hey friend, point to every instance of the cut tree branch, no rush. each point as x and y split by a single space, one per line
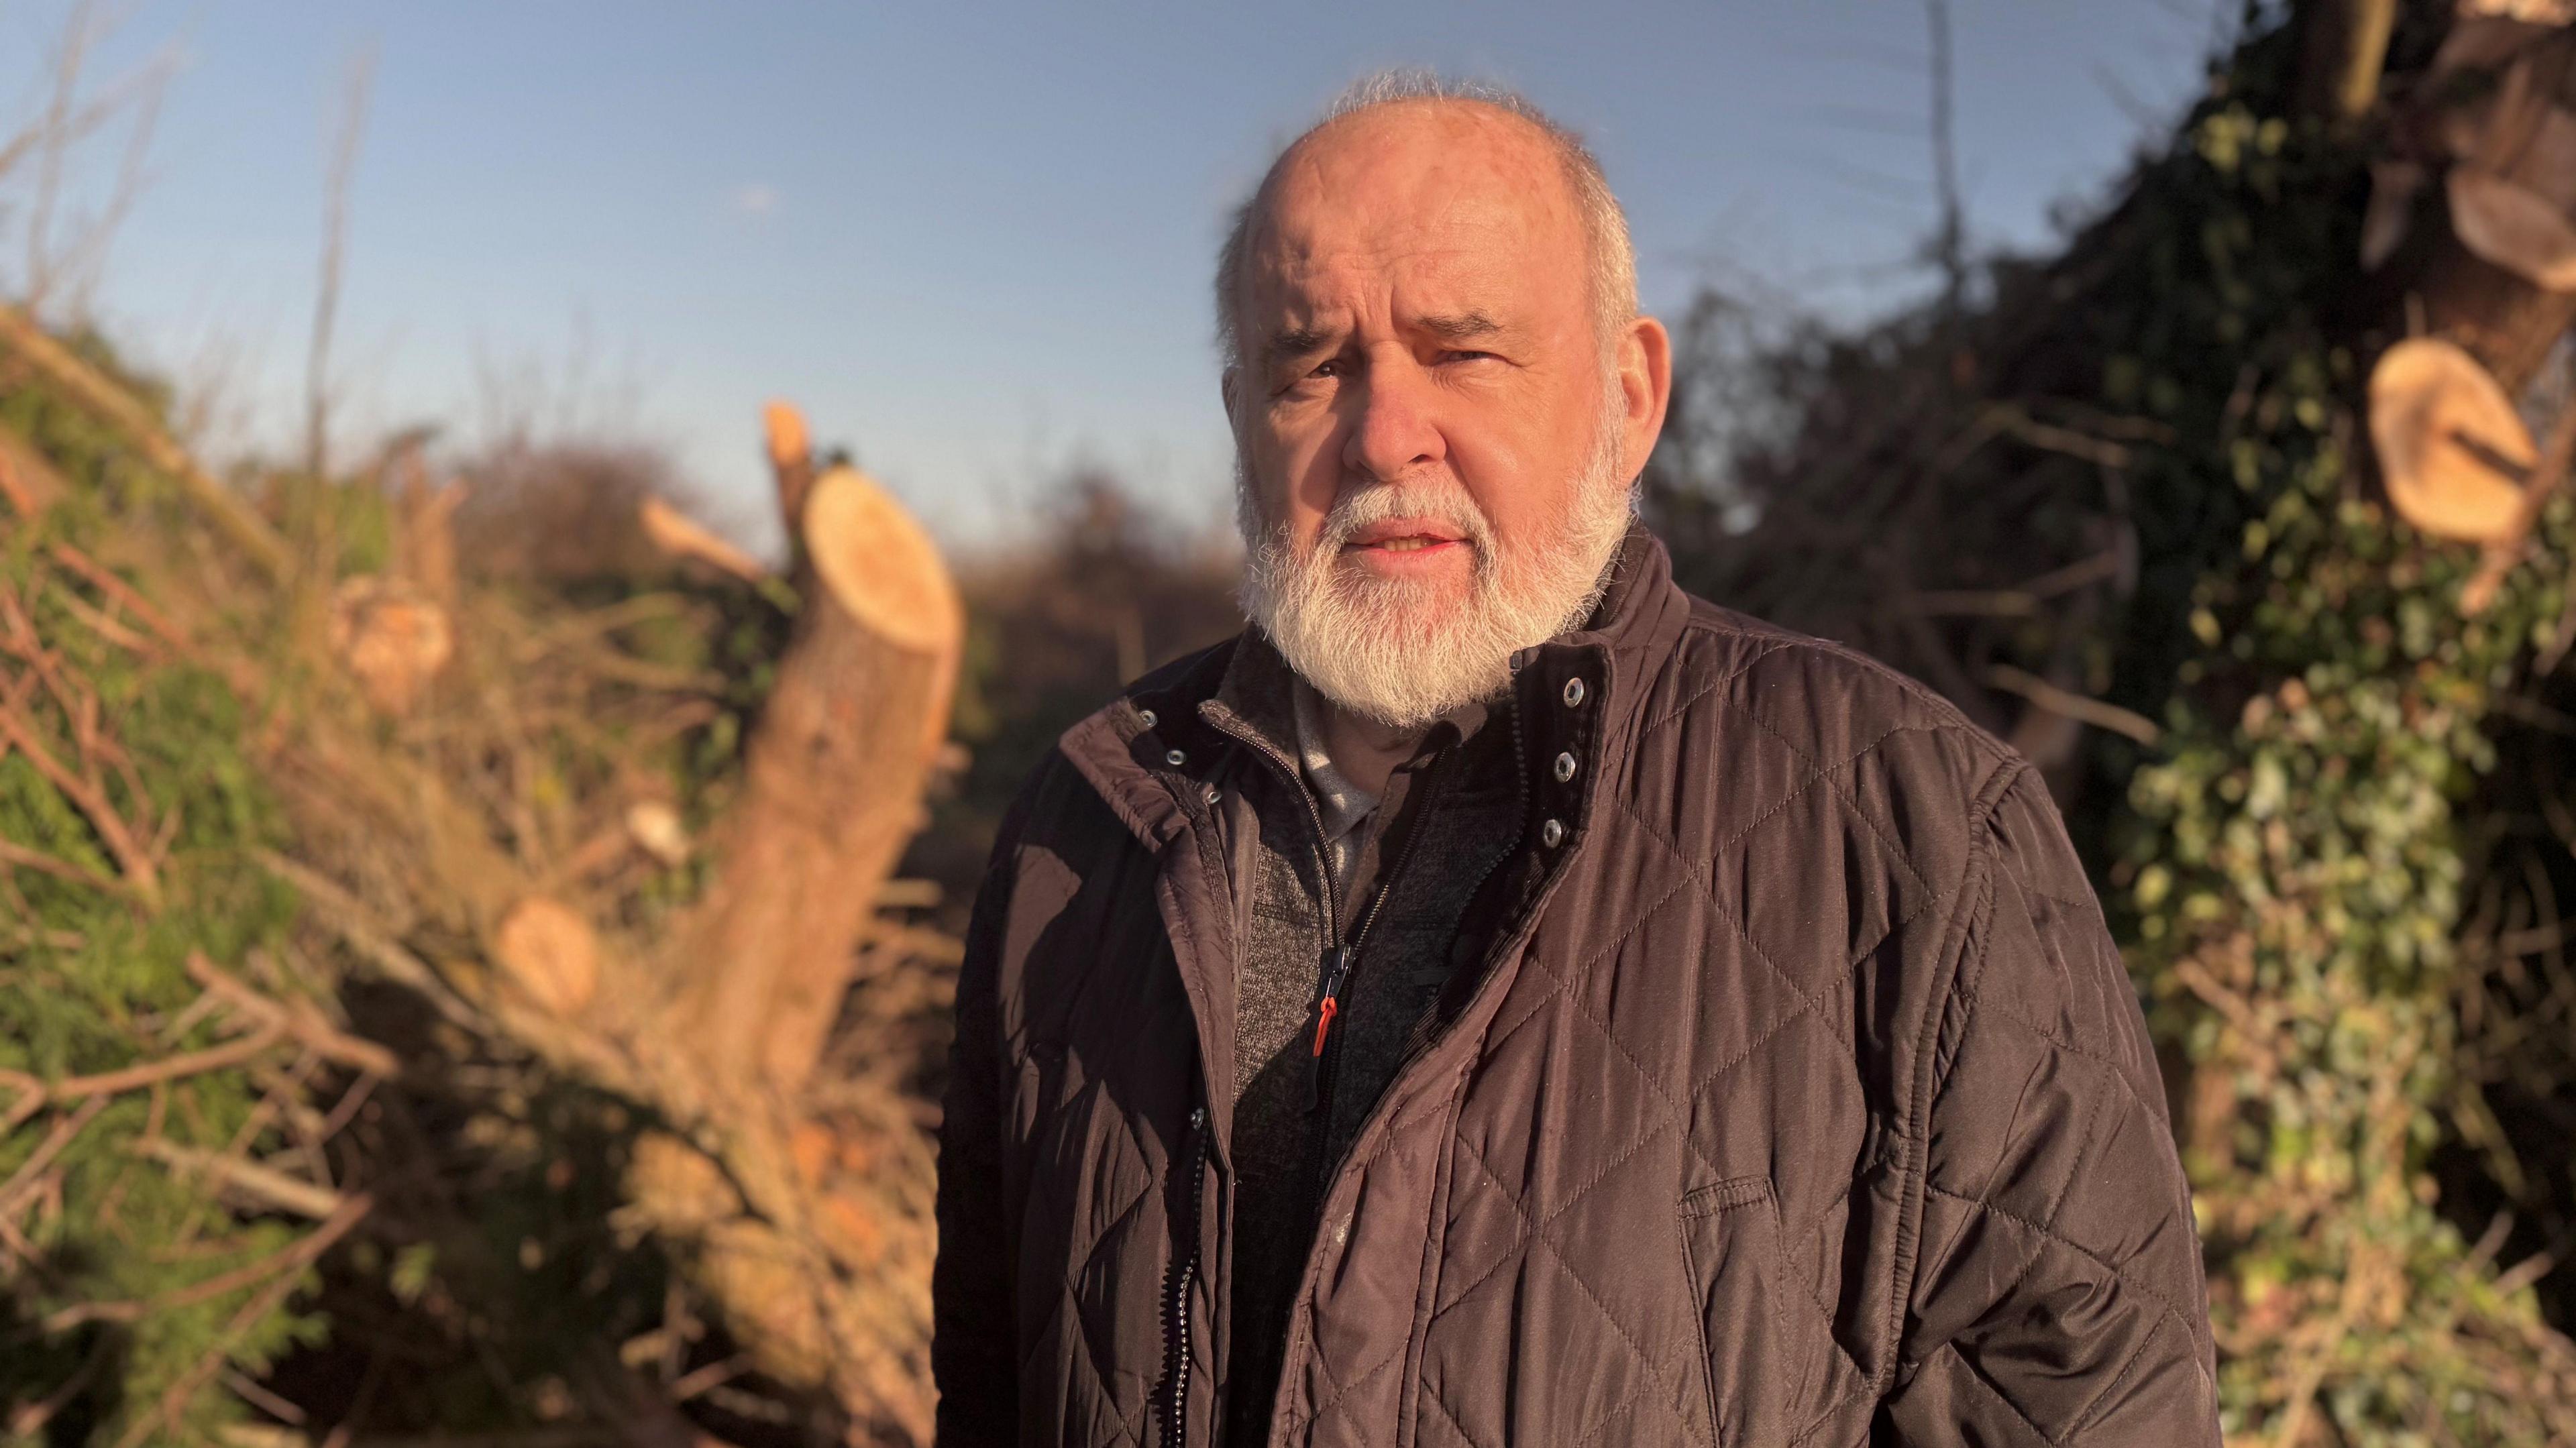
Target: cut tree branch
833 777
2343 45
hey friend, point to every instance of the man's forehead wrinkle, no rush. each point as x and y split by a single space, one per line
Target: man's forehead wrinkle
1444 295
1307 275
1325 240
1415 216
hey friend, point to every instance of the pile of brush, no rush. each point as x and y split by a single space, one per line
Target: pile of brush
507 968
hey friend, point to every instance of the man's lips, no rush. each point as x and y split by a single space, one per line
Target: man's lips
1406 535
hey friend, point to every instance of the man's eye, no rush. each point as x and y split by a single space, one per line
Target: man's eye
1320 372
1463 356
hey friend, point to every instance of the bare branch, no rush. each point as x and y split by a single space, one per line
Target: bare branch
1949 236
266 1187
89 252
2073 705
53 139
335 231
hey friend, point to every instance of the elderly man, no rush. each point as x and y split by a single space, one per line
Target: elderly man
1500 999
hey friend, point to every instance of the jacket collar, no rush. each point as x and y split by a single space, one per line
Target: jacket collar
1155 759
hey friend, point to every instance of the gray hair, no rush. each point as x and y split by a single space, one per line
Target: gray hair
1605 225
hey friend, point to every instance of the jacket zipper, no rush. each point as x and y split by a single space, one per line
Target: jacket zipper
1338 962
1338 957
1176 1305
1484 968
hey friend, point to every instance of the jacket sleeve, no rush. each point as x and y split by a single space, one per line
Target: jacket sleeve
972 1308
2056 1293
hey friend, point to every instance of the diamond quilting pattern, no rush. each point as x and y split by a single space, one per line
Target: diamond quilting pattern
1106 1211
1608 1054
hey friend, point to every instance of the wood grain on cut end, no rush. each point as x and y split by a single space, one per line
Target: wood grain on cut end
2446 435
549 952
879 564
392 637
2513 227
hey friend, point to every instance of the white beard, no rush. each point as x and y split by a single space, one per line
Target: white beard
1402 651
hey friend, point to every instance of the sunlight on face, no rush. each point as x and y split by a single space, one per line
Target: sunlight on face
1431 433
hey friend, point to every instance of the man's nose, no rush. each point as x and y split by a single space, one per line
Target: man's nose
1397 428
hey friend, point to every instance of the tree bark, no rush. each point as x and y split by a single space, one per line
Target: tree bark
832 791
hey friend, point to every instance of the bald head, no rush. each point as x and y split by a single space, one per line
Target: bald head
1471 134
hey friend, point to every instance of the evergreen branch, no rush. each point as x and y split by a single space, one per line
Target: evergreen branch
141 876
32 1170
37 1093
29 1420
104 626
303 1254
37 860
136 1309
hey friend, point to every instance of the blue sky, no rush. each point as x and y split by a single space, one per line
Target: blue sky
973 240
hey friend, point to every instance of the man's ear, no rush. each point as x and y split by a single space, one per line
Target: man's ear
1229 385
1646 387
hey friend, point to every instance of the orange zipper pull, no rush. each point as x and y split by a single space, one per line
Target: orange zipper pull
1337 968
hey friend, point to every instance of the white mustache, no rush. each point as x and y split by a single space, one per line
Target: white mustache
1443 502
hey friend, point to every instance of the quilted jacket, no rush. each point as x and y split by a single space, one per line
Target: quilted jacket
1797 1097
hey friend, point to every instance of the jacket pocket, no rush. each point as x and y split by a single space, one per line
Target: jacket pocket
1773 1367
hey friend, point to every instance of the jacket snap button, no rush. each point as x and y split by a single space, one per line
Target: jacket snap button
1147 715
1551 834
1175 759
1564 768
1211 794
1574 693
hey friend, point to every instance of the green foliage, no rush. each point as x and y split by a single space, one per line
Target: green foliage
2292 869
2286 864
100 1329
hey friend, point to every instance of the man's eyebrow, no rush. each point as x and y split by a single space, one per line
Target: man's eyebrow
1297 341
1464 327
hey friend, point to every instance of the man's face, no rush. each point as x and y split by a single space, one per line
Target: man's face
1425 394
